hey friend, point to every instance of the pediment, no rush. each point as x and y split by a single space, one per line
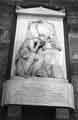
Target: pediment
40 11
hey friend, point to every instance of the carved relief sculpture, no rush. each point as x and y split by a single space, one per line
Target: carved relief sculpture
38 71
39 53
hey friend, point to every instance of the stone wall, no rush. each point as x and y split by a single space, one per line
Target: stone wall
6 24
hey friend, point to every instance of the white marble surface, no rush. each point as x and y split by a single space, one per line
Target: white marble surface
40 10
38 91
57 36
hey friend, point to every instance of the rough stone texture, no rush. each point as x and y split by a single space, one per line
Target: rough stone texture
62 114
75 85
5 38
14 113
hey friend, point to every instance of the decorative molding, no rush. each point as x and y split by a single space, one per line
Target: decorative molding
40 11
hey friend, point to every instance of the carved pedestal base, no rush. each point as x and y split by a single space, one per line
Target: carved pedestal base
38 91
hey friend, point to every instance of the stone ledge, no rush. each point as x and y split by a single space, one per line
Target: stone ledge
38 92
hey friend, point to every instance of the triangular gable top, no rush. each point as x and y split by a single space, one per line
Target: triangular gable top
40 11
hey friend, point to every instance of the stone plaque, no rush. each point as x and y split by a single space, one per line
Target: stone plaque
34 91
38 71
39 48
